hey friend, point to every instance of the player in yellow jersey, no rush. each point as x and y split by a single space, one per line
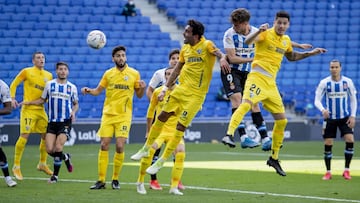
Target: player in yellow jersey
195 67
120 83
156 106
33 118
271 45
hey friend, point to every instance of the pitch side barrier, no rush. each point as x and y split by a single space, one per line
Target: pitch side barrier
212 130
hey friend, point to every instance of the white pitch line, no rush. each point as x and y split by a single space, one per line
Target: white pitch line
219 190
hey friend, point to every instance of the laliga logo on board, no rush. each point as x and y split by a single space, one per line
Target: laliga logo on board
192 135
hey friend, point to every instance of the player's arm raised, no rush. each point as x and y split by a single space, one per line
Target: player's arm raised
94 92
223 59
295 56
172 79
252 38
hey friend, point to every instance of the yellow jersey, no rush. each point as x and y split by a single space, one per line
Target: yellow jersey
120 87
156 106
269 51
197 71
34 80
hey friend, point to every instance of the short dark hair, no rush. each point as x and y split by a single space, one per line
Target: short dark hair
336 60
173 52
282 14
197 27
118 48
239 15
60 63
37 52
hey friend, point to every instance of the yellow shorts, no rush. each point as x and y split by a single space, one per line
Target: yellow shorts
33 121
260 88
184 104
112 125
165 138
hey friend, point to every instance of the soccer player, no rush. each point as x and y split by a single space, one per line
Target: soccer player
339 113
169 127
157 80
240 56
120 83
62 97
270 47
33 118
195 67
6 101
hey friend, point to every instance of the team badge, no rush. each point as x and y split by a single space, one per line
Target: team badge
126 78
199 51
232 86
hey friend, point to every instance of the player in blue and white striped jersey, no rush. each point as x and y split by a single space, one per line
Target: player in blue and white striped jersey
240 56
62 97
339 112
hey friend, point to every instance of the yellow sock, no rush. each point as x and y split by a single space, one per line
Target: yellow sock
43 153
155 131
171 146
103 161
144 164
237 117
178 169
19 149
277 137
118 163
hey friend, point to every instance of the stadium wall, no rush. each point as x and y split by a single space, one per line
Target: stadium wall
209 131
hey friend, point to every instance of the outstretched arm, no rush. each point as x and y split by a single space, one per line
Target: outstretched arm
296 56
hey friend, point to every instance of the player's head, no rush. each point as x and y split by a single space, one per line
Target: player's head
240 18
119 56
194 30
335 68
168 72
38 59
281 22
62 70
174 57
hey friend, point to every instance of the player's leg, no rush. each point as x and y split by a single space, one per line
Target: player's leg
105 133
122 130
177 169
41 123
259 122
329 133
25 129
348 137
154 183
154 132
5 169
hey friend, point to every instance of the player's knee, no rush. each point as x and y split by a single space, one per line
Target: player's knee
281 124
180 127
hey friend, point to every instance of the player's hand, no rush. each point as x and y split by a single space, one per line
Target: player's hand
225 67
14 103
351 122
140 84
326 114
161 95
85 90
264 27
318 51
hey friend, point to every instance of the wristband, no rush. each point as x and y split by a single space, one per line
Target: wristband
164 89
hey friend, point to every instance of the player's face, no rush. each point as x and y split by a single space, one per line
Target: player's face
335 69
173 60
39 60
120 59
242 28
281 25
189 38
168 73
62 72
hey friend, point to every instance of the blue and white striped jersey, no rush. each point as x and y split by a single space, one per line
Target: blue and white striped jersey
340 97
4 92
60 99
236 41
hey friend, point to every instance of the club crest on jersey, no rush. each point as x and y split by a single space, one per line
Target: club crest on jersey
345 85
199 51
68 89
284 42
126 78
